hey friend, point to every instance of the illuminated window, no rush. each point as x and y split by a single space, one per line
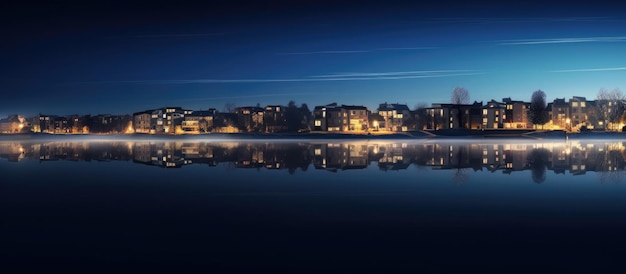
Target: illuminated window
484 111
318 151
318 123
574 104
582 104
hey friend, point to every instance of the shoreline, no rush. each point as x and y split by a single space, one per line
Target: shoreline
408 135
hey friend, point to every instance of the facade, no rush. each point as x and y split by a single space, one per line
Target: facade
453 116
274 118
560 114
198 121
516 114
142 121
340 118
494 114
13 124
167 120
250 119
394 117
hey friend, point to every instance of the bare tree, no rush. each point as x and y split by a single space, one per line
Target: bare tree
460 95
537 111
229 107
610 105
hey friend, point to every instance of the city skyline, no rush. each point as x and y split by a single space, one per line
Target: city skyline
91 58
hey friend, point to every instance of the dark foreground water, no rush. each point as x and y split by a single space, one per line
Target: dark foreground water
323 206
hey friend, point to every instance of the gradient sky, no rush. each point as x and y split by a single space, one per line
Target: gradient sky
95 58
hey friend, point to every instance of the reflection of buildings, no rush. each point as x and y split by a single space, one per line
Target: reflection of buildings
340 156
14 152
574 157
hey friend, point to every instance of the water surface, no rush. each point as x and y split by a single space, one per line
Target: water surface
313 206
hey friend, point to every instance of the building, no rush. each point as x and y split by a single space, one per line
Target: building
167 120
453 116
516 114
340 118
199 121
250 119
142 121
274 118
560 114
394 117
13 124
494 114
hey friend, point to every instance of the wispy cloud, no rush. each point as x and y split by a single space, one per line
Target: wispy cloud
250 96
353 51
563 40
500 20
590 69
367 76
323 52
431 73
182 35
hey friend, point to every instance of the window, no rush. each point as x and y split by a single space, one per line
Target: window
574 104
485 111
318 123
582 104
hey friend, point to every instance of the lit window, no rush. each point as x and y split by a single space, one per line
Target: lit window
484 111
574 104
318 123
318 151
582 104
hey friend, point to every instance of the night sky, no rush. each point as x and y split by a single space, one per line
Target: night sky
92 58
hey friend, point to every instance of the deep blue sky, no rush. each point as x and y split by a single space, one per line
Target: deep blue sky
120 58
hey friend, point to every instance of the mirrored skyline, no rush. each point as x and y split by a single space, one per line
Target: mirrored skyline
542 159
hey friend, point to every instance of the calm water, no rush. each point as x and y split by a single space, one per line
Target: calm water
319 206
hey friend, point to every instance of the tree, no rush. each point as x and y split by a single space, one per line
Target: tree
229 107
460 95
610 106
537 111
420 118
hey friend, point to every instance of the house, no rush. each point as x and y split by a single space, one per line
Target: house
516 114
46 123
453 116
394 116
107 123
274 118
342 118
163 120
142 121
494 114
560 114
198 121
250 119
13 124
